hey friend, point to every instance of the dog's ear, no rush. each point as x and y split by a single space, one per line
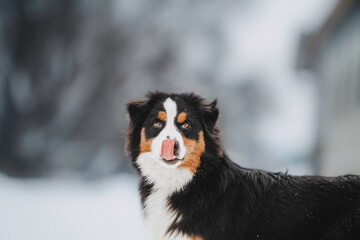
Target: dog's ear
210 115
136 109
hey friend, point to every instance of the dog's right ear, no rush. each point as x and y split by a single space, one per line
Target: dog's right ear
210 114
136 109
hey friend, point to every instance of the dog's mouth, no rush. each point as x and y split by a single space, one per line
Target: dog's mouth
171 161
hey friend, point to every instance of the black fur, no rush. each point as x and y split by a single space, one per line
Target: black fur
226 201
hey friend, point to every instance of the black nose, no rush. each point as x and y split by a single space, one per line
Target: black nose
176 148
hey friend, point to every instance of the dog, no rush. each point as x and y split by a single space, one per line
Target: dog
191 190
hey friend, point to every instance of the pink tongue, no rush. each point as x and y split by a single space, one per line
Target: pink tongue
167 149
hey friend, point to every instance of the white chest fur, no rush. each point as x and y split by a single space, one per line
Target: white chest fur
166 181
159 217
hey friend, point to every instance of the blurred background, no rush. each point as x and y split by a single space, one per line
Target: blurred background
286 75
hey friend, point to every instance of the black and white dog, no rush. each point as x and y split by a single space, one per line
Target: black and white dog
190 189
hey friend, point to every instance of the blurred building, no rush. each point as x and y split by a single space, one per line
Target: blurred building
332 54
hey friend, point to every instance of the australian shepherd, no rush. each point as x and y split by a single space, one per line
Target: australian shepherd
190 189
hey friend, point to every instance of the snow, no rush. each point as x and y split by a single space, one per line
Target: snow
46 209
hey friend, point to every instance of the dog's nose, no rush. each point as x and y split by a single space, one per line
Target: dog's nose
176 148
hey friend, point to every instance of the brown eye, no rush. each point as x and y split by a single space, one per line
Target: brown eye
158 124
185 126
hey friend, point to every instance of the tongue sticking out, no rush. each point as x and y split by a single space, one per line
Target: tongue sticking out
167 149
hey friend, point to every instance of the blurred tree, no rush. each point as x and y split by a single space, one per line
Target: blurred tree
69 67
30 90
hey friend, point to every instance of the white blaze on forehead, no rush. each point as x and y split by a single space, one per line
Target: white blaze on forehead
171 110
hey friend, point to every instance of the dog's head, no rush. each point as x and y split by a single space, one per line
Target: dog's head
171 131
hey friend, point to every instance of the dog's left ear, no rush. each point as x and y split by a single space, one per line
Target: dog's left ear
210 115
136 109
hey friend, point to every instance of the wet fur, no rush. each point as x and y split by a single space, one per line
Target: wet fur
226 201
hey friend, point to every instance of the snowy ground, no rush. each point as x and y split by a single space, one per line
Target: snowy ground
70 210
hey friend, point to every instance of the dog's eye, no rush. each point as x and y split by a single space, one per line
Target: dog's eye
157 124
185 126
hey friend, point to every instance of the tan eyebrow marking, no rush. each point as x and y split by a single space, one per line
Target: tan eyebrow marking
162 116
181 117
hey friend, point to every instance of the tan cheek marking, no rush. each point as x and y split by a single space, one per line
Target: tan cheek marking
194 149
162 116
181 117
145 145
